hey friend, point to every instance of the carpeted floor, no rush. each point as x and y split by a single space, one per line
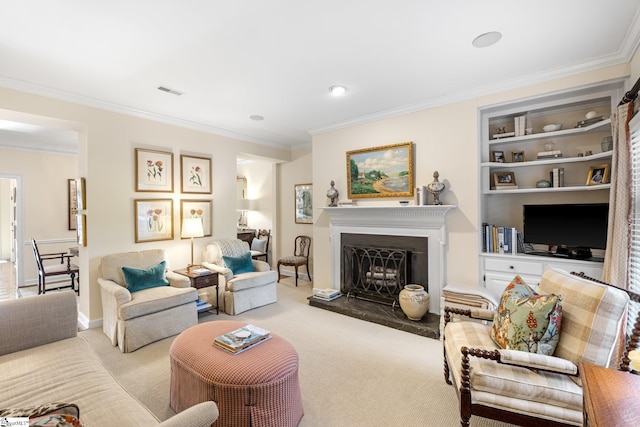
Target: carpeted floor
352 372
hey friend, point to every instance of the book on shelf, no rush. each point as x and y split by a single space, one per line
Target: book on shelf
326 294
501 240
503 135
554 154
556 176
242 339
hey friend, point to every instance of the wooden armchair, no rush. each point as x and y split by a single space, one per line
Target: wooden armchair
260 245
61 267
529 388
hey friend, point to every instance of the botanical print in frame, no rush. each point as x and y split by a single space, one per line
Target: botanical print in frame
197 209
385 171
154 220
196 174
73 203
154 171
304 203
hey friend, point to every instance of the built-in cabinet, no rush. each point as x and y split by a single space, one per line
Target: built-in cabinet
511 140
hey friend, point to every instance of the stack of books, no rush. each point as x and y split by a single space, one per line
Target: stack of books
501 240
589 122
555 154
242 339
326 294
556 177
200 271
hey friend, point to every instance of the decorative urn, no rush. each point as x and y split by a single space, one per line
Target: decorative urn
414 301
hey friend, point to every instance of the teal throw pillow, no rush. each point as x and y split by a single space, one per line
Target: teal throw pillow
138 280
241 264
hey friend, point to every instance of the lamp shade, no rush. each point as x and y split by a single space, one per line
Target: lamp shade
192 227
244 205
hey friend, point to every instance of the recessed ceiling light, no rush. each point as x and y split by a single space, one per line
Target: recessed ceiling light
337 90
256 117
487 39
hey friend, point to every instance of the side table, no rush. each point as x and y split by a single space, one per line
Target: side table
199 281
610 397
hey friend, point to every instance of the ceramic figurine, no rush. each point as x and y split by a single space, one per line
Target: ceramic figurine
332 195
435 188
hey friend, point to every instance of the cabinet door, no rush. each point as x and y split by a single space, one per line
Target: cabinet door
496 282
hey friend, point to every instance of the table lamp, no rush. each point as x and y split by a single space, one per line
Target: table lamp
192 227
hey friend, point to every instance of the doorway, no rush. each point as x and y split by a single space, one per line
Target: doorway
10 234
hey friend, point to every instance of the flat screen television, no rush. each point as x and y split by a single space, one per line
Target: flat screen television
574 229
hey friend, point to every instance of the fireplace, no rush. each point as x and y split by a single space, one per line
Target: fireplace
376 268
385 222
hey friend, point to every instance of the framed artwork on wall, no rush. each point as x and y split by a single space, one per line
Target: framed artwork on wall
196 174
81 229
154 171
153 220
385 171
304 203
197 209
73 203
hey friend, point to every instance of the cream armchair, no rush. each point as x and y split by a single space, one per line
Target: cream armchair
243 291
530 388
134 319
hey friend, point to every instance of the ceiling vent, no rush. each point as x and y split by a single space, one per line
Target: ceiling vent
169 90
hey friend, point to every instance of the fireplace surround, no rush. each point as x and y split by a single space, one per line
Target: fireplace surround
412 221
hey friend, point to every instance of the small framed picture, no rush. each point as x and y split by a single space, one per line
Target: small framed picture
504 179
154 220
73 203
497 156
197 209
154 171
598 175
303 200
517 156
196 174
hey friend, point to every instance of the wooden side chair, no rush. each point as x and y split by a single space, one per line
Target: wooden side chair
300 256
62 267
260 245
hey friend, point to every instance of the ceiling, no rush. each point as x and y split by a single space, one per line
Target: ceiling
277 58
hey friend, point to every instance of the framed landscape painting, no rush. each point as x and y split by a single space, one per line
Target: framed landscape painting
154 171
154 220
196 174
197 209
385 171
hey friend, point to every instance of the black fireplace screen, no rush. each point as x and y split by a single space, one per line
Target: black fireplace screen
374 274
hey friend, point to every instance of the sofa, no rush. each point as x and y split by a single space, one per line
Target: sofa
241 290
134 319
44 360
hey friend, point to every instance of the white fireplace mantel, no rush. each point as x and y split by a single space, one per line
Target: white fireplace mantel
419 221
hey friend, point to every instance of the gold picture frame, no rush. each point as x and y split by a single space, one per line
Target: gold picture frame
153 220
198 209
73 204
504 179
598 175
385 171
497 156
154 171
517 156
196 174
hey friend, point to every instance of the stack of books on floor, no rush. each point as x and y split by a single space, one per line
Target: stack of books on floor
326 294
202 305
242 339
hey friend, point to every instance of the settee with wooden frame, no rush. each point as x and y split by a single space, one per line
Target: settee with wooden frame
531 389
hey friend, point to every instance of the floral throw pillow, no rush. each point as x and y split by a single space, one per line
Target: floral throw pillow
527 321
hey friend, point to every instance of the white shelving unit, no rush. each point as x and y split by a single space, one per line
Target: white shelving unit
581 150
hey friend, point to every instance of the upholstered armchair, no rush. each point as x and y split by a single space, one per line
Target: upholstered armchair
243 283
142 300
534 388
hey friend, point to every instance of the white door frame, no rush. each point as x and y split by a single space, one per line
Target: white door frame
19 243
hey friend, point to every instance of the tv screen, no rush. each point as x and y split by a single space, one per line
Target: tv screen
574 226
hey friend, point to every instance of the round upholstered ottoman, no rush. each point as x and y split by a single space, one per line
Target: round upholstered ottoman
257 387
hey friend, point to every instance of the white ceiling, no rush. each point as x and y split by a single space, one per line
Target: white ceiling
277 58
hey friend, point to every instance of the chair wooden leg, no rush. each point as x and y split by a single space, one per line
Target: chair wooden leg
296 276
278 272
308 272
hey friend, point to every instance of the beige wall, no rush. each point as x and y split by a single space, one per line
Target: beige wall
297 171
106 159
45 198
445 140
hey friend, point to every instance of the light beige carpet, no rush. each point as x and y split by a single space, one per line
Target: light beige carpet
352 372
